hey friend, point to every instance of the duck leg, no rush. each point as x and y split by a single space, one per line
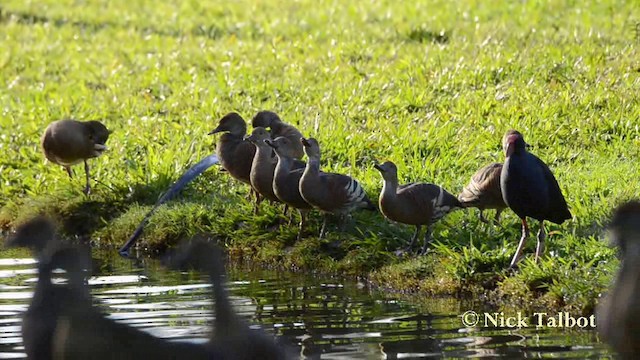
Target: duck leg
303 221
482 218
257 203
87 188
496 219
523 239
427 240
69 171
541 237
414 238
323 230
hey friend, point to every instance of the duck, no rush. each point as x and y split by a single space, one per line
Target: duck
330 193
618 312
286 180
61 321
483 191
68 142
530 190
271 120
264 165
415 204
234 152
231 337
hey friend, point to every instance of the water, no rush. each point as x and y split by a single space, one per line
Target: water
321 317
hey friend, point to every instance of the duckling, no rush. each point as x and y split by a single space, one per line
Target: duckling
415 203
231 335
235 153
271 120
331 193
618 313
286 180
264 165
483 191
68 142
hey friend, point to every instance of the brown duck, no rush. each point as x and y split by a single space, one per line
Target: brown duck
272 121
331 193
235 153
69 142
415 203
264 165
483 191
618 313
286 180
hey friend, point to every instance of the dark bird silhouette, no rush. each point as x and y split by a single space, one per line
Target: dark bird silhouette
414 204
530 189
618 313
286 180
483 191
234 152
231 336
331 193
69 142
271 121
61 321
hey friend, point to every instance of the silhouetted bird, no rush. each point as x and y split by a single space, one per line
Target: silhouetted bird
618 313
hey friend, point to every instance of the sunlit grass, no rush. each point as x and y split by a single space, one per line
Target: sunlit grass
430 85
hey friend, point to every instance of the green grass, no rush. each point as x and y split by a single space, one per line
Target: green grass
431 85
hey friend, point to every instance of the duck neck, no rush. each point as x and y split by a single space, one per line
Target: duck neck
313 167
284 165
390 187
263 155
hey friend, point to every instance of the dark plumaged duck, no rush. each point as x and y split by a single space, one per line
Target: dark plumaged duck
329 192
69 142
235 153
271 120
618 313
231 337
264 165
530 189
41 318
483 191
286 180
61 322
415 203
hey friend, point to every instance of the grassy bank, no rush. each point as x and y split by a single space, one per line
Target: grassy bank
430 85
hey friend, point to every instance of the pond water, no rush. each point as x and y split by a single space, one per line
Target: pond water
322 317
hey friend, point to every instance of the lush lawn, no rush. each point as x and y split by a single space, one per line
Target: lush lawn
431 85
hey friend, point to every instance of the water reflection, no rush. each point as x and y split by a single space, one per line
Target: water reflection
325 318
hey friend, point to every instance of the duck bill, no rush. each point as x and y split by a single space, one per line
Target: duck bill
247 138
378 167
305 142
270 143
215 131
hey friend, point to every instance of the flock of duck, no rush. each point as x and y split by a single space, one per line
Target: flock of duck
269 161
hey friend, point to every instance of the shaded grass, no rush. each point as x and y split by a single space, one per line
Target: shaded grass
431 85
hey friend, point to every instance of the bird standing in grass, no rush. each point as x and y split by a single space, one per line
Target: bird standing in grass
235 153
271 121
329 192
414 204
483 191
618 313
530 189
264 165
286 180
69 142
